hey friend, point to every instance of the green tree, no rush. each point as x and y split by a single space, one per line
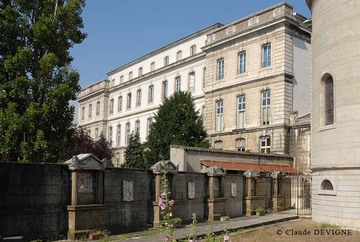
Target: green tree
36 79
176 123
82 143
134 153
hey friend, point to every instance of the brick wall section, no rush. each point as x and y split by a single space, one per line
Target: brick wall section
33 199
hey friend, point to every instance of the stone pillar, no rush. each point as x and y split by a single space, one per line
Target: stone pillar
156 206
74 187
250 175
248 196
211 198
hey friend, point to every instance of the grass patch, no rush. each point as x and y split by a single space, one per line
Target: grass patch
327 225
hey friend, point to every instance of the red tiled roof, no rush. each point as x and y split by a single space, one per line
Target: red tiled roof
236 166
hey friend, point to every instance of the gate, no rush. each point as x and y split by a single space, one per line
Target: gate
300 195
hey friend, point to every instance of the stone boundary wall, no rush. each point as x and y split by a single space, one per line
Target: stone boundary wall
33 199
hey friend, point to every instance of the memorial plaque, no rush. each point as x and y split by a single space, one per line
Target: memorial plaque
233 189
191 190
128 191
85 182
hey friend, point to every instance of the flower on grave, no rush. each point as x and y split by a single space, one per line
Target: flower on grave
171 202
170 214
162 206
165 239
226 238
161 200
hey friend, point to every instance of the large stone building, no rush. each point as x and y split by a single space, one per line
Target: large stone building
257 74
247 78
335 111
128 101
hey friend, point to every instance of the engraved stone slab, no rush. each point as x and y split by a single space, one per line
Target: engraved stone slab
233 189
85 182
128 191
191 190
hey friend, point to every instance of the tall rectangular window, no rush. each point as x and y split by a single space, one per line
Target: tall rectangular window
151 94
329 100
152 66
240 145
110 135
204 77
241 112
265 107
266 55
111 106
193 50
220 69
98 108
242 62
179 55
192 82
138 97
164 89
127 133
96 134
90 110
166 60
219 119
118 135
140 71
121 79
265 144
137 126
128 101
130 75
149 123
178 84
120 101
218 145
82 113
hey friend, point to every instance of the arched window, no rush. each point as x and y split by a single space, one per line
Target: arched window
328 99
326 185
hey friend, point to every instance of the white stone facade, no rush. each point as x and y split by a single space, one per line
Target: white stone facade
286 76
335 111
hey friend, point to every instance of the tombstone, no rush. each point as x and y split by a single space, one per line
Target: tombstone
87 194
158 169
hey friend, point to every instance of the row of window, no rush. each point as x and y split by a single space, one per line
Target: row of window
97 112
127 132
241 62
240 110
165 63
164 93
264 144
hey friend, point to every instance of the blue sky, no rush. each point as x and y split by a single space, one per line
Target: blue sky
120 31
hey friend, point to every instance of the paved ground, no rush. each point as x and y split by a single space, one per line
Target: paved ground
232 224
